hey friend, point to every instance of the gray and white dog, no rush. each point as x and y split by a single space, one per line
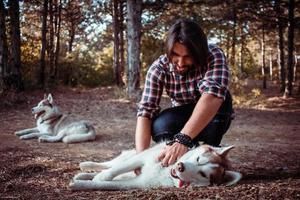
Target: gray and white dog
55 126
201 166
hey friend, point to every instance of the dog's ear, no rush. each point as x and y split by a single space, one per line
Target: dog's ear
50 98
231 178
223 151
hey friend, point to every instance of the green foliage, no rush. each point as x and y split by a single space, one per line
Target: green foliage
83 68
151 49
80 68
250 68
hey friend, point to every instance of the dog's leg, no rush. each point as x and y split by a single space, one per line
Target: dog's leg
91 166
96 166
26 131
120 168
82 132
50 138
134 183
85 176
32 135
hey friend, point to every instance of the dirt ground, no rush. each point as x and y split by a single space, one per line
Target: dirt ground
266 134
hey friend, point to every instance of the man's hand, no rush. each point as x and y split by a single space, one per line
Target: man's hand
171 154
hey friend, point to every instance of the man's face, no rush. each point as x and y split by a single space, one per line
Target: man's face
181 58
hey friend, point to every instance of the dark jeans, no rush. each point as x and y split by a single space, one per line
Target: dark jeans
170 122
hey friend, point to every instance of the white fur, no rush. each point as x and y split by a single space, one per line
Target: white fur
54 126
110 175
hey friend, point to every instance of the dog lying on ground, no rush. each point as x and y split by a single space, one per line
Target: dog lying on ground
201 166
54 126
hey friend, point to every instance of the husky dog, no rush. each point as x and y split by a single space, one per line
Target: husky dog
201 166
54 126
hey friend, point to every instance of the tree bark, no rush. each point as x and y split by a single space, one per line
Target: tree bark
232 58
116 60
3 48
263 57
289 86
15 65
57 50
51 40
41 77
280 45
72 36
243 44
134 12
122 58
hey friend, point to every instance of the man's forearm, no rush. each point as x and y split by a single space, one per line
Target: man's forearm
142 134
206 108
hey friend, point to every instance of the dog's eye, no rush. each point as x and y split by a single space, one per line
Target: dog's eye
202 174
198 159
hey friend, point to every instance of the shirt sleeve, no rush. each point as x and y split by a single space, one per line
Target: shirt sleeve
216 78
149 104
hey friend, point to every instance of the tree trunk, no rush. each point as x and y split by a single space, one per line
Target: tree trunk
116 60
243 38
289 86
263 57
57 50
134 12
72 36
232 59
3 48
15 65
41 78
51 40
122 59
280 45
228 44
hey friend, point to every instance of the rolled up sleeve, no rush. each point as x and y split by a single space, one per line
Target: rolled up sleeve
149 104
216 78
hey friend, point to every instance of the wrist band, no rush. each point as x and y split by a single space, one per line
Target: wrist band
182 139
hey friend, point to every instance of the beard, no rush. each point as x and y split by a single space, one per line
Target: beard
183 69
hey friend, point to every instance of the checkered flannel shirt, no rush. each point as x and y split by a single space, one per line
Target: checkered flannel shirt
183 89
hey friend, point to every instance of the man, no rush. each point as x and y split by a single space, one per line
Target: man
195 76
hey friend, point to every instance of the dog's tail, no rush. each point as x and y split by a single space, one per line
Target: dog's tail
81 137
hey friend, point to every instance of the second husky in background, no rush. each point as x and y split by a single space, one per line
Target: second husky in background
55 126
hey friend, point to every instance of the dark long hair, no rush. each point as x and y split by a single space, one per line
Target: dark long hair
191 35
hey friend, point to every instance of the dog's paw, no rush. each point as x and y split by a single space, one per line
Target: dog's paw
103 176
73 185
84 176
90 166
25 137
18 133
44 138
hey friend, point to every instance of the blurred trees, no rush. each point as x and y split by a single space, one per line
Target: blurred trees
116 40
10 37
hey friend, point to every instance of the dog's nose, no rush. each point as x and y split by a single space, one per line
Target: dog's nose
32 109
180 167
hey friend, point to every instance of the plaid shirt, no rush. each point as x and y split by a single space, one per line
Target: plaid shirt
183 89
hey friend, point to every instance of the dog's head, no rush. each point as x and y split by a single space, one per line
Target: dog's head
44 106
203 166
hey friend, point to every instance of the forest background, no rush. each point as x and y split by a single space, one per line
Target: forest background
92 55
44 44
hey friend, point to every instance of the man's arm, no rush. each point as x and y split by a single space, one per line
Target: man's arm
142 134
204 111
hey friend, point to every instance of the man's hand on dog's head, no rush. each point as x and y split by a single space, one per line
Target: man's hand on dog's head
171 154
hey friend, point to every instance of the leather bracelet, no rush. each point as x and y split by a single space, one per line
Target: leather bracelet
182 139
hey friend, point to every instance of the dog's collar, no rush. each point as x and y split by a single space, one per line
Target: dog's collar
52 119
